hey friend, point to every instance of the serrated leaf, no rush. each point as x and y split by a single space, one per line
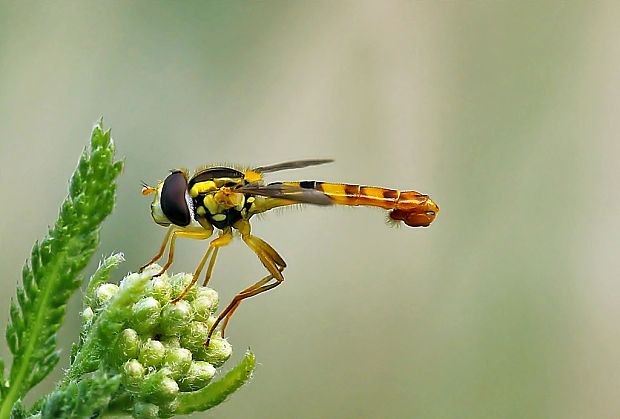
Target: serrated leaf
108 323
101 275
216 392
18 411
84 399
2 381
52 274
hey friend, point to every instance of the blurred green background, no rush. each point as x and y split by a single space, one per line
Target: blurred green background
506 113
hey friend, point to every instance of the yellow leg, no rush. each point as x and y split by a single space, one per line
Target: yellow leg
232 306
196 235
258 288
267 254
210 267
162 249
272 261
224 239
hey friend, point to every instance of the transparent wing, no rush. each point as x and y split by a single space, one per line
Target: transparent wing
297 164
292 193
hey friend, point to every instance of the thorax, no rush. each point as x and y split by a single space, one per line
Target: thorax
215 199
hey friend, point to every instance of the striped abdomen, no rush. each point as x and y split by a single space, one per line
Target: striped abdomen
413 208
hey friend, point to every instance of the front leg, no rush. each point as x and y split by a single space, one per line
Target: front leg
162 249
224 239
196 235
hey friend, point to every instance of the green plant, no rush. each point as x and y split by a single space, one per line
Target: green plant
136 354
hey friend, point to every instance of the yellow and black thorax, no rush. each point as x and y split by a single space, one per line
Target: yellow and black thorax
213 196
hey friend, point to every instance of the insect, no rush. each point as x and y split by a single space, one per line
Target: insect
225 199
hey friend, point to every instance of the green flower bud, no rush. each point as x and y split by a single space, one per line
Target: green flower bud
105 292
217 353
152 353
161 349
142 410
195 336
209 293
159 388
203 307
200 373
175 317
167 410
178 361
127 347
160 289
210 323
179 282
133 374
145 315
131 278
171 342
87 315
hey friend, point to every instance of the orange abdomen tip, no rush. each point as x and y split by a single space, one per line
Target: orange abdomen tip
420 216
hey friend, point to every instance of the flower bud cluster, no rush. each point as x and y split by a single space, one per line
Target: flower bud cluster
160 351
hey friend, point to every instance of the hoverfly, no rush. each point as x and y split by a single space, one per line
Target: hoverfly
224 198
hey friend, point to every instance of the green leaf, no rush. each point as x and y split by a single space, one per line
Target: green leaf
18 411
84 399
101 275
215 393
51 275
107 326
3 384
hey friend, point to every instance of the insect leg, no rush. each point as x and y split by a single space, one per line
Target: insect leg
162 249
212 264
272 261
259 287
232 306
215 244
196 235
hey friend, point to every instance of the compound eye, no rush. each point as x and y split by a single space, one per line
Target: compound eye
172 199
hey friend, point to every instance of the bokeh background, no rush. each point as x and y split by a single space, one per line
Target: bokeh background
506 113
